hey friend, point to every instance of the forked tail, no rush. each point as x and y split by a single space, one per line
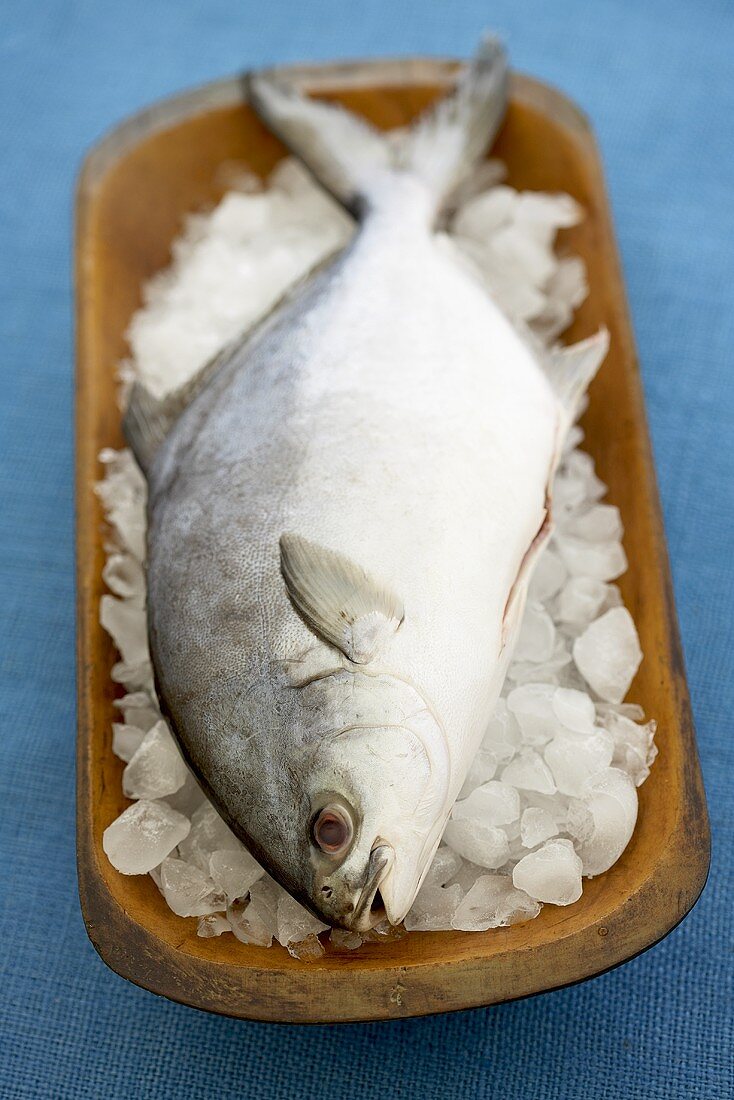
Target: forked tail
356 162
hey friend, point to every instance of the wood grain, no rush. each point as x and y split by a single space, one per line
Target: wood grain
134 191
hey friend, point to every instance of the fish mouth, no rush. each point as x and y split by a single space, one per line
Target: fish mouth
370 909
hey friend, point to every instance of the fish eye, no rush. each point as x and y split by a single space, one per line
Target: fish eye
332 830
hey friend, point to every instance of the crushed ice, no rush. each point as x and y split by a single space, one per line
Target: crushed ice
551 795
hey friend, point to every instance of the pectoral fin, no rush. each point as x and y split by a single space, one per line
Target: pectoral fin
337 599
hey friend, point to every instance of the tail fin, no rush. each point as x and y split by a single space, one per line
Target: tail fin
350 158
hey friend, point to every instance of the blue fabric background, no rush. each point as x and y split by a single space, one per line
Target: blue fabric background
658 81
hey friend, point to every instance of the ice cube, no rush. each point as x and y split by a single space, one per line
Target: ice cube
188 798
574 710
581 600
580 465
213 925
126 624
155 874
524 260
123 479
126 740
554 671
569 494
493 902
128 521
634 745
548 578
433 908
384 932
123 495
633 711
634 762
445 865
536 825
344 940
551 874
234 871
573 758
483 215
494 803
503 733
307 949
601 523
142 836
529 772
567 287
553 804
578 823
124 576
611 799
550 322
208 834
157 767
532 705
483 767
467 875
486 845
540 215
603 561
255 921
573 489
537 635
519 300
574 437
138 710
187 890
608 654
133 676
295 924
570 677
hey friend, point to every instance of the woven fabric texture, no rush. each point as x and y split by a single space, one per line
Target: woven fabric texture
657 79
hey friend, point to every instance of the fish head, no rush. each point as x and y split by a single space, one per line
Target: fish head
376 789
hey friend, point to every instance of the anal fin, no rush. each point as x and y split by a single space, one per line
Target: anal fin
571 369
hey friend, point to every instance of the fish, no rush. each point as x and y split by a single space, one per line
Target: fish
345 507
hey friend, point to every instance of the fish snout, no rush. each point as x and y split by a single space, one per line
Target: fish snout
370 909
357 907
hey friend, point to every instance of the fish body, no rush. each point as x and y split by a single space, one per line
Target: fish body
342 525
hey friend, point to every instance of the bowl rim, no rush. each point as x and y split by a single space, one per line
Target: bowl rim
282 993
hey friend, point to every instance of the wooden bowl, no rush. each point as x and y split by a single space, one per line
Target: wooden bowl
135 188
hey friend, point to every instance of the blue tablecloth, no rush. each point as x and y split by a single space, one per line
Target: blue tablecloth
657 79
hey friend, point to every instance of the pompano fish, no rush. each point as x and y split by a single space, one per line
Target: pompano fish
345 508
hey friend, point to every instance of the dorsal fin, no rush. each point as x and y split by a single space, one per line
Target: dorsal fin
145 424
571 369
337 599
149 419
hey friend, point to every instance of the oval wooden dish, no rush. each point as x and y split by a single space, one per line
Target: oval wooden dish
135 188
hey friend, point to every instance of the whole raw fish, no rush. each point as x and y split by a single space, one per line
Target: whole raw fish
344 511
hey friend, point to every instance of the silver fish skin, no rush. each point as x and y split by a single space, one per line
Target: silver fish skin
344 512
